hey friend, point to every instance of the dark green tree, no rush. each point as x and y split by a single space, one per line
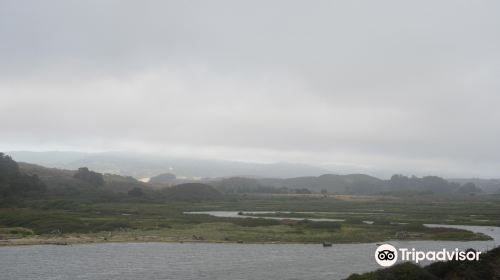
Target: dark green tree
14 183
136 192
91 177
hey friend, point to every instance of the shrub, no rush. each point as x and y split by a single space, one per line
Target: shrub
255 222
329 226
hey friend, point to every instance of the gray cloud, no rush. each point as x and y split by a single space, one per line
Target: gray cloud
355 85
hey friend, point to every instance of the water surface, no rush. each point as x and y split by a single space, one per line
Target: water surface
148 261
151 261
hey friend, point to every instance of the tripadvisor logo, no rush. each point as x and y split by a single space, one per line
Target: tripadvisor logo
387 255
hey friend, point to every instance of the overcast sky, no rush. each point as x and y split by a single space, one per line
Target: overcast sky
366 86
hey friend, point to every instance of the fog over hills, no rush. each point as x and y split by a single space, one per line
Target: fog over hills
349 87
487 185
140 165
277 175
85 179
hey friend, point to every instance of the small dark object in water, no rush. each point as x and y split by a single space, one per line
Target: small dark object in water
61 243
239 241
240 213
327 244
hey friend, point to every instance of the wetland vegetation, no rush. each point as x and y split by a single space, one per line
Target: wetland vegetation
125 219
85 206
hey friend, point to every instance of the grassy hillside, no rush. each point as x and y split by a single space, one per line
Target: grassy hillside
56 178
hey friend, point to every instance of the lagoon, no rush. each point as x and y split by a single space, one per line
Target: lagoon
224 261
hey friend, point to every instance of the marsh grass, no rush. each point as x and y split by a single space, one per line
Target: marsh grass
146 221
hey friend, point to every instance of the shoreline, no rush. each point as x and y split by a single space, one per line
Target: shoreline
68 241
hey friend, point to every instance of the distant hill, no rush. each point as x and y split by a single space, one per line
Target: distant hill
73 182
344 184
49 159
427 184
140 166
55 178
243 185
487 185
165 178
469 188
191 192
353 183
270 178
